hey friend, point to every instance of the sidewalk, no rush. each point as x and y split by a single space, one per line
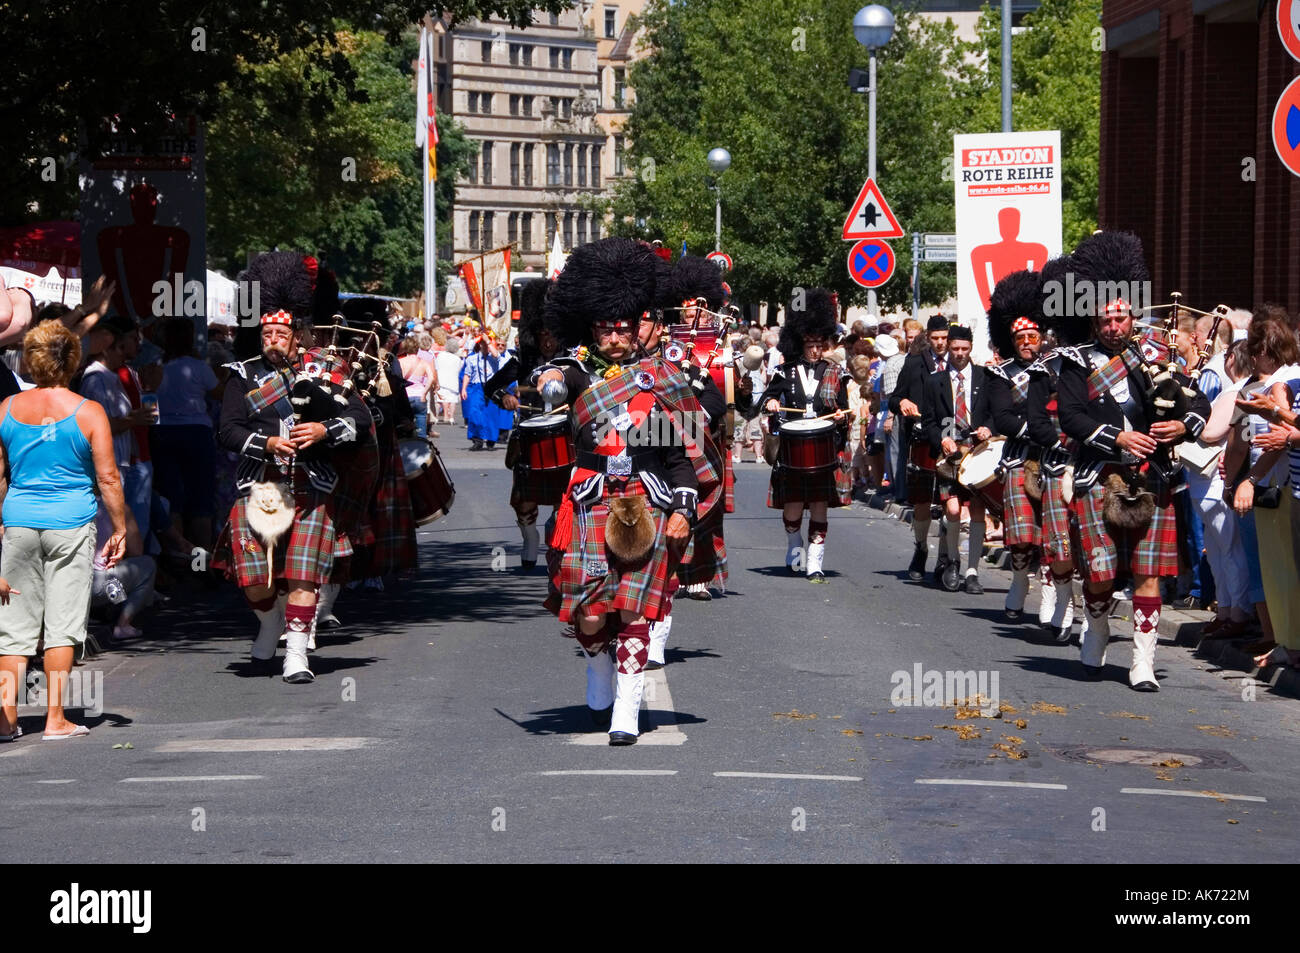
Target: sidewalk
1179 626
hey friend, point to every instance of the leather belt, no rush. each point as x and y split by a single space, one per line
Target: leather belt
599 462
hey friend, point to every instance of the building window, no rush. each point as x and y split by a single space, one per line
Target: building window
512 228
528 106
568 230
582 229
486 51
473 230
566 107
485 103
555 19
514 104
471 104
473 171
618 155
514 54
487 163
528 164
620 88
528 54
555 57
566 59
552 165
486 237
514 163
568 166
595 168
526 226
595 229
610 16
550 228
582 165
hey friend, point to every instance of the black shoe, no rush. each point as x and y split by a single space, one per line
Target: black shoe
818 577
528 564
265 666
621 738
940 567
916 568
491 445
600 717
653 666
1013 615
973 586
1094 672
1146 687
1186 602
300 678
476 445
1061 633
951 579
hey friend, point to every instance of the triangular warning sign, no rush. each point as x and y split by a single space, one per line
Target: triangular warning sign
871 216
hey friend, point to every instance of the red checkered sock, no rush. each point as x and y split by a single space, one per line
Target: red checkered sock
299 618
793 526
261 605
596 642
817 531
1098 604
633 647
1146 613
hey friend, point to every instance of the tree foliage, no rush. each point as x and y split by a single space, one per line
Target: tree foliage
343 182
768 80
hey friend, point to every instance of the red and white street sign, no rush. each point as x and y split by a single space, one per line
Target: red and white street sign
871 216
871 263
1288 25
721 259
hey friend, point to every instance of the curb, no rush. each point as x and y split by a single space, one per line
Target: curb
1280 679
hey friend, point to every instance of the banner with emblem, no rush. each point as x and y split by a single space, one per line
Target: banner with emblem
487 280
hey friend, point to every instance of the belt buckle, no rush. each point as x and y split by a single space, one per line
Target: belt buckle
620 464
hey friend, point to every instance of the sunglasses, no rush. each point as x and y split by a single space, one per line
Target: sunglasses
609 331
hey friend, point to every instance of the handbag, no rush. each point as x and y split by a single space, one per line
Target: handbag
1268 498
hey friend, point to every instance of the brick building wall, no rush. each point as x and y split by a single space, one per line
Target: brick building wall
1188 90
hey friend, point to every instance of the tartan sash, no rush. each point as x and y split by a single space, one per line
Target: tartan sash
1131 359
274 392
828 388
1020 387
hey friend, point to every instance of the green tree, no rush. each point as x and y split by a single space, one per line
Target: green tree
343 182
768 79
1056 84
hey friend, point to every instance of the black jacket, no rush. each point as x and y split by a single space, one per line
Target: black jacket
787 388
917 368
245 432
1096 424
937 413
1010 417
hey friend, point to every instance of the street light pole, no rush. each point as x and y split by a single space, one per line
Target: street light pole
719 161
1006 65
717 219
872 27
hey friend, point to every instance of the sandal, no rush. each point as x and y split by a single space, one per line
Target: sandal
1277 655
76 732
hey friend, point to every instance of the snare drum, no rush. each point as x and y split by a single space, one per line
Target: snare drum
981 473
546 442
430 486
808 446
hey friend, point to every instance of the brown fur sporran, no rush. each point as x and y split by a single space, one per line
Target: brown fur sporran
629 529
1125 508
1034 482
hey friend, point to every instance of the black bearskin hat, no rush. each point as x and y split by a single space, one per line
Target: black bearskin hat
609 280
1110 266
283 283
817 318
325 299
1017 295
532 301
1055 310
695 277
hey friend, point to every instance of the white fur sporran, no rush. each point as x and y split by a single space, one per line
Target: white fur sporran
270 514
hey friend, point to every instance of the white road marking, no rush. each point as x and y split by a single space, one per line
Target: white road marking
663 716
197 777
993 784
614 771
267 744
59 781
1209 794
785 777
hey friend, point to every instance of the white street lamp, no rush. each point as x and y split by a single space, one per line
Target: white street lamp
873 26
719 162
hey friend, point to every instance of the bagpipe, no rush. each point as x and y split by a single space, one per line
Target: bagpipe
698 338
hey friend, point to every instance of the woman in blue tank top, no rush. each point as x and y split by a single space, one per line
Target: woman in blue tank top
57 449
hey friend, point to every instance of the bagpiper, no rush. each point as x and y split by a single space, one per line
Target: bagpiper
641 471
1123 487
281 531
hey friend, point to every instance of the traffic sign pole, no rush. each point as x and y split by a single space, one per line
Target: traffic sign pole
916 275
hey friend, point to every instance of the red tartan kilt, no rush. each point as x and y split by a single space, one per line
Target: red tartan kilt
947 490
708 561
590 583
305 553
1057 530
392 518
1020 517
1154 553
729 469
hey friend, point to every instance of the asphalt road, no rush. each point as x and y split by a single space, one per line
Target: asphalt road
447 723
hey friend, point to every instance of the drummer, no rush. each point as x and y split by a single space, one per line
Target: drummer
531 489
808 386
956 416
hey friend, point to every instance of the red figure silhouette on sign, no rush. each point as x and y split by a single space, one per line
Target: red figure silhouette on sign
138 255
994 262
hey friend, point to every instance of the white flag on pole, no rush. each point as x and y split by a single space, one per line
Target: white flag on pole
422 89
555 260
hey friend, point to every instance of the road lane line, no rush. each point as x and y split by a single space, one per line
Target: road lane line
648 772
266 744
994 784
785 777
1208 794
59 781
196 777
